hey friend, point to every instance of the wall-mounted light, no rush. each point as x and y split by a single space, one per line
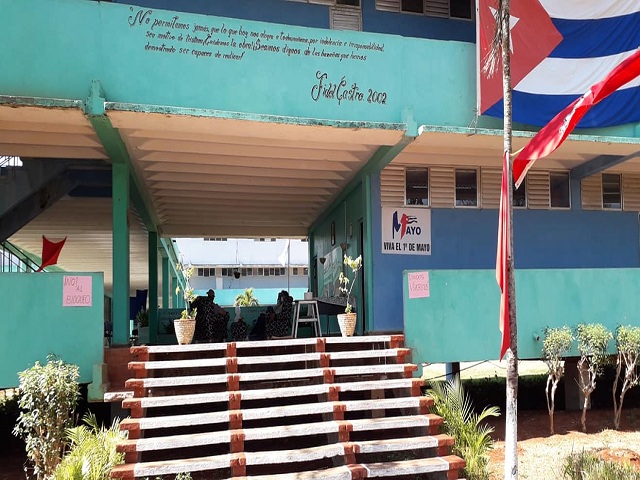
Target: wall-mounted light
236 274
344 246
322 260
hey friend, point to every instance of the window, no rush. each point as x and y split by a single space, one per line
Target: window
520 195
351 3
459 9
249 272
466 188
211 239
282 272
260 272
559 193
611 191
294 271
416 186
412 6
201 272
305 271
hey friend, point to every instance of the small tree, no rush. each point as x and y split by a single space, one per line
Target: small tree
628 346
47 399
246 299
593 340
556 344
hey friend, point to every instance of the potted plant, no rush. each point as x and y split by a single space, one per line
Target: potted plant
142 322
347 320
186 325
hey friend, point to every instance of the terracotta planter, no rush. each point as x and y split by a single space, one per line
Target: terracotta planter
347 323
184 330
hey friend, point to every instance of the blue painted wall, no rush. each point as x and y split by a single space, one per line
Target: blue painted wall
466 239
309 15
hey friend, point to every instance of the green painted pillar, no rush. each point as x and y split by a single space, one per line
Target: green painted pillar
174 296
153 286
120 202
367 255
165 282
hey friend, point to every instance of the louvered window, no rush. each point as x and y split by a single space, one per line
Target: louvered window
520 195
346 18
538 190
392 186
466 188
631 190
490 181
591 192
611 191
462 9
442 183
559 190
417 186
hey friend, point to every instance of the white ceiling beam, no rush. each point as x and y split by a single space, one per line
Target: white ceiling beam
195 195
21 150
134 135
6 125
211 182
50 139
256 171
154 160
245 149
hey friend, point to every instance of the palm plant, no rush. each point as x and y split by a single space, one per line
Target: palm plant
472 435
246 299
93 451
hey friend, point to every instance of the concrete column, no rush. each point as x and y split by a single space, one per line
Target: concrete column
174 297
153 286
120 202
165 282
452 369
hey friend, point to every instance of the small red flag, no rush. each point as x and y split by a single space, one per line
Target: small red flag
551 136
502 258
50 252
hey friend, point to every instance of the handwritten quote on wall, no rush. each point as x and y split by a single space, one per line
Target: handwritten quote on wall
221 40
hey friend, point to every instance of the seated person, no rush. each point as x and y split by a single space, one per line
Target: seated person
211 319
279 318
239 329
259 328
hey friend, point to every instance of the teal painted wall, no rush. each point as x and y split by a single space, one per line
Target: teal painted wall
60 46
346 216
459 320
34 324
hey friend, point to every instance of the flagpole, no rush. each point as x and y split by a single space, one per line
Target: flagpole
511 414
288 265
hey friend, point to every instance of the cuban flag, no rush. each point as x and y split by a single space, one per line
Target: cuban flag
559 49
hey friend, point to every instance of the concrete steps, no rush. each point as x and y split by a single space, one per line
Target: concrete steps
295 409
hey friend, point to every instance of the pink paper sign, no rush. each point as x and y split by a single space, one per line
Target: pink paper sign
418 284
76 291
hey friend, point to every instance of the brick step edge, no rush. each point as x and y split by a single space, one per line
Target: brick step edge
239 461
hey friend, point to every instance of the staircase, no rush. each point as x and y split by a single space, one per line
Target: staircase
325 408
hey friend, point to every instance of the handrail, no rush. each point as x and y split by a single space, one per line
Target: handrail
13 259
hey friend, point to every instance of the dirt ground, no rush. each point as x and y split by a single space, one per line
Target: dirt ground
540 455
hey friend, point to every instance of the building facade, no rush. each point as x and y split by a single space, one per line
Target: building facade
352 123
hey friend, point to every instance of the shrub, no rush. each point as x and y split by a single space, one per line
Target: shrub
593 340
587 466
556 344
628 346
48 395
471 434
93 451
